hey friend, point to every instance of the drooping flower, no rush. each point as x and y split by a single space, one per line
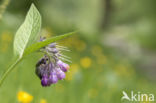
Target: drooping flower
60 74
51 68
45 81
53 77
63 66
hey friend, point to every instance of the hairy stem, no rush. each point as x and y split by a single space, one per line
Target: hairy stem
3 7
9 70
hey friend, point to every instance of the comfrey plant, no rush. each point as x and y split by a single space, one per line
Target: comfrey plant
50 68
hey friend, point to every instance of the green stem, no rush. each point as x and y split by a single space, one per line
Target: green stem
9 70
3 7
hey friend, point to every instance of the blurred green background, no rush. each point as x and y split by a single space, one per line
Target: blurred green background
114 51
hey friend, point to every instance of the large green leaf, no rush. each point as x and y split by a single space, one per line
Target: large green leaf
38 45
28 31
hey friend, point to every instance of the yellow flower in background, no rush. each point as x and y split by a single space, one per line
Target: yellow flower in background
85 62
24 97
43 101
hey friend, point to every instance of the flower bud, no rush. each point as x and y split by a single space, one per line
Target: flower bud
63 66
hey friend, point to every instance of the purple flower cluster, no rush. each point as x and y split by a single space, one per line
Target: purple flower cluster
51 68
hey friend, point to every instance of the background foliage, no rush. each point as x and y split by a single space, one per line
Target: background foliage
114 50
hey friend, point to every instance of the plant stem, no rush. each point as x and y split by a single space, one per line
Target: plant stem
9 70
3 7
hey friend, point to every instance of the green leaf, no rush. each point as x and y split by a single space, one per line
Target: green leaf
28 32
38 45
